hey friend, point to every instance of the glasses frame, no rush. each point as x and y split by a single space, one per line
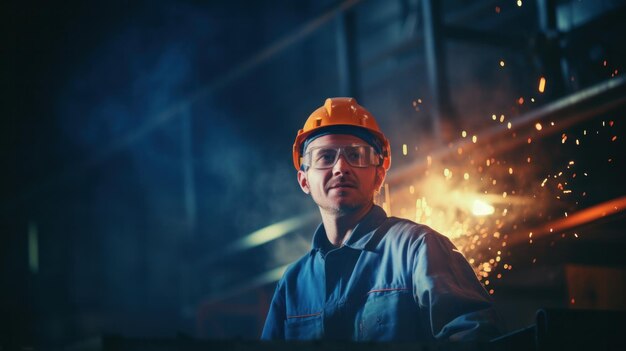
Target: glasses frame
341 149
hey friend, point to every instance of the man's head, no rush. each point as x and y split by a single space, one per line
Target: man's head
341 156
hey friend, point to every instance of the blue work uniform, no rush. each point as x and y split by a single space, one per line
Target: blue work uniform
393 280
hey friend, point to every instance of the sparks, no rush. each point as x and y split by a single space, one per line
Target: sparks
481 208
542 84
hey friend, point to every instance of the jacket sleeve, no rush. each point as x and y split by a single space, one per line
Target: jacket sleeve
451 299
274 328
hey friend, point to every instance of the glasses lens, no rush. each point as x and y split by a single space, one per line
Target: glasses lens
357 156
323 157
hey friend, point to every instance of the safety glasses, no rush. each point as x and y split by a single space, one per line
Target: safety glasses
324 157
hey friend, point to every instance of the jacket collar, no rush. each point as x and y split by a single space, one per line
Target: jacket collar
360 237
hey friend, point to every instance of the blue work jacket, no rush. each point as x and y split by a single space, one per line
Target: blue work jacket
393 280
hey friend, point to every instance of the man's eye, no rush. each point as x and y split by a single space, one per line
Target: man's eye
354 155
326 157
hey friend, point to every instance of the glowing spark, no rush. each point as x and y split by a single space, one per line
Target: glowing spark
494 117
538 126
504 194
466 176
614 138
463 134
520 101
528 159
530 140
501 118
510 170
577 142
576 235
474 139
412 189
519 3
404 149
542 84
481 208
447 173
509 125
501 63
563 138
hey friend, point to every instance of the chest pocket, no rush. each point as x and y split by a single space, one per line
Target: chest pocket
307 327
389 315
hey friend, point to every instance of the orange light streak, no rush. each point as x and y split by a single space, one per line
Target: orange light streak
542 84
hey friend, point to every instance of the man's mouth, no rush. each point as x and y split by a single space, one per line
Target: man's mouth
343 185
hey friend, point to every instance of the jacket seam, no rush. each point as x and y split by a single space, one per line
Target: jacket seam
385 290
304 315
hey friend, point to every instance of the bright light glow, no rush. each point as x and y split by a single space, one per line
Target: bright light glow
404 149
481 208
542 84
519 3
270 233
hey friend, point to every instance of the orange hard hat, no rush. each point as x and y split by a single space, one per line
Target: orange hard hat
340 111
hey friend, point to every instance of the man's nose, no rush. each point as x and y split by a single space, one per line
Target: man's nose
341 166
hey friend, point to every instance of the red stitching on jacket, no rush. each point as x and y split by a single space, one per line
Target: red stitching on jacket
305 315
388 289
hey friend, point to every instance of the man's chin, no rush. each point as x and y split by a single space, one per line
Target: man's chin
344 207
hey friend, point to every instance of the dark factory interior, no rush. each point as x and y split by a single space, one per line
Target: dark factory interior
149 191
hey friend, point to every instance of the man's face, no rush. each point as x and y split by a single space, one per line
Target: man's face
342 188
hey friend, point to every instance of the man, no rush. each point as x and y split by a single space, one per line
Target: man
369 276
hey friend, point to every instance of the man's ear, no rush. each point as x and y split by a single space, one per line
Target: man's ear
304 182
380 177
